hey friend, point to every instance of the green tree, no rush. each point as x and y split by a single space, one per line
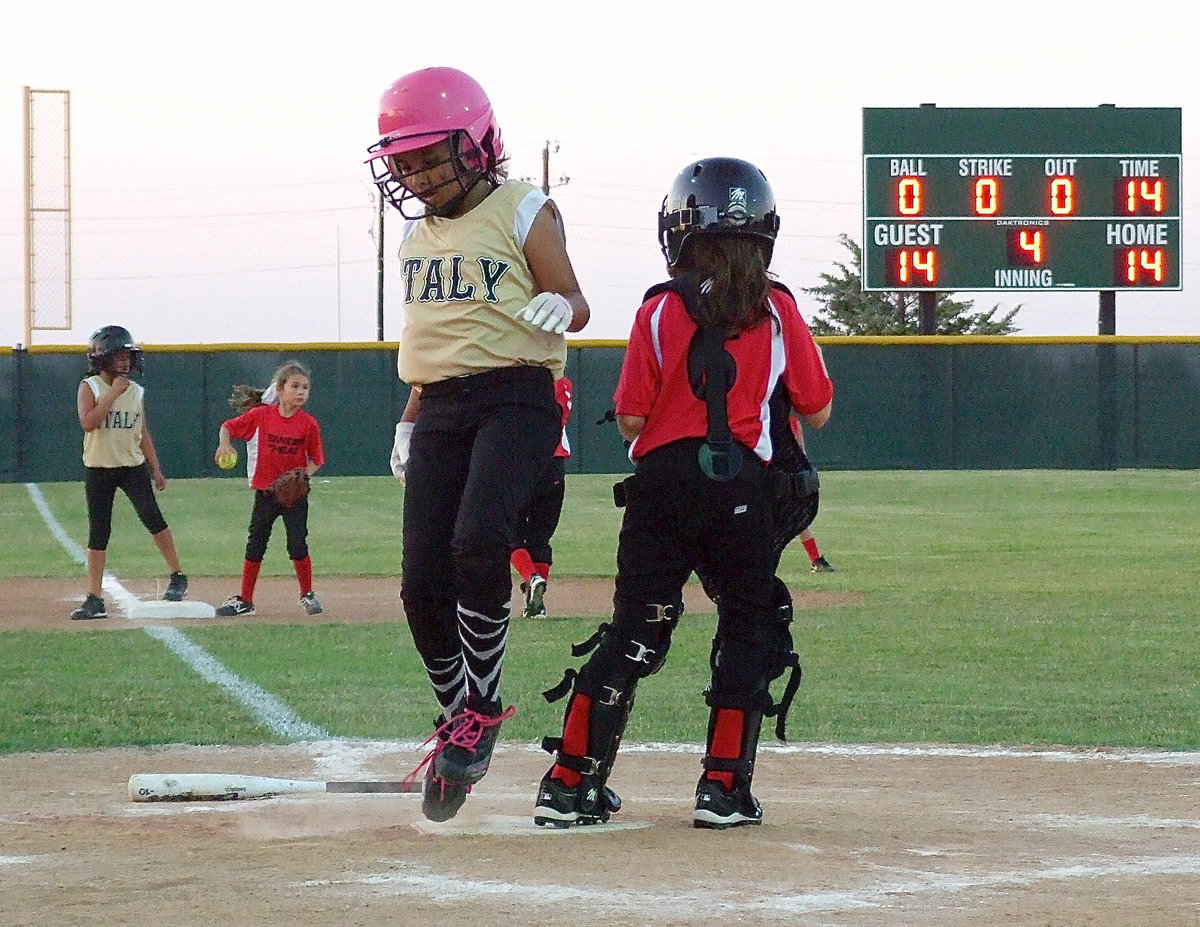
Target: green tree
849 311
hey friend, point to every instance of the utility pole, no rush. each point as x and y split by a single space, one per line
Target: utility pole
379 265
546 152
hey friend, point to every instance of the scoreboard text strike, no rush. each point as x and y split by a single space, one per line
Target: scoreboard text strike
1021 199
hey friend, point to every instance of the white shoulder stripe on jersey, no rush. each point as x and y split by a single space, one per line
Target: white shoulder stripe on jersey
527 211
764 448
656 330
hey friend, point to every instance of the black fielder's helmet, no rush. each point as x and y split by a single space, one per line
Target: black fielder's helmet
717 195
107 341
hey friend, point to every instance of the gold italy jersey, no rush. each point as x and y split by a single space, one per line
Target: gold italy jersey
118 440
464 281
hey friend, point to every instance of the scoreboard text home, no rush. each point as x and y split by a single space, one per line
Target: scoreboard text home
1021 199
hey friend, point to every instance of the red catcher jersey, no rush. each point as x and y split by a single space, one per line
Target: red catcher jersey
275 444
654 377
564 393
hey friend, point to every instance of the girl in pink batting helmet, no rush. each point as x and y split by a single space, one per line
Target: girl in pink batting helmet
489 292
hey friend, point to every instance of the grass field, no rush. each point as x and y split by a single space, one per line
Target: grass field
1014 607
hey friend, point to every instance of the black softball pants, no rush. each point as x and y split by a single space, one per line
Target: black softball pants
479 446
539 521
262 520
677 520
100 487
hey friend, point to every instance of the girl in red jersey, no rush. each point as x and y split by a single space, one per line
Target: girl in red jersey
279 436
706 354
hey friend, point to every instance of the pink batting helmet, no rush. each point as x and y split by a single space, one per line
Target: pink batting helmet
431 105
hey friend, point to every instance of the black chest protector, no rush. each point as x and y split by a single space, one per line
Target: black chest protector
712 371
711 374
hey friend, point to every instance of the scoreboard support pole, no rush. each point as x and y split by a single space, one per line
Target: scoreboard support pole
1108 312
927 301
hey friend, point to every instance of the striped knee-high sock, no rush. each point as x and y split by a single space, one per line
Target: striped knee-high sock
484 639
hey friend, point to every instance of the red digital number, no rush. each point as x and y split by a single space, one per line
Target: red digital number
1139 266
987 196
912 267
1140 197
1026 247
908 196
1062 196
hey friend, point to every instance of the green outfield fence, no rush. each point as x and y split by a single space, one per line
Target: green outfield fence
917 403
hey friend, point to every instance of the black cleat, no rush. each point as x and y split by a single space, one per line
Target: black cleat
559 805
176 588
92 607
235 605
821 565
535 591
441 798
470 738
718 808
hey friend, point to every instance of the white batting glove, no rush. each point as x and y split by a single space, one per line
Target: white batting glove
548 311
400 449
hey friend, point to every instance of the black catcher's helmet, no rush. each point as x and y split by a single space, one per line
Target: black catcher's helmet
107 341
717 195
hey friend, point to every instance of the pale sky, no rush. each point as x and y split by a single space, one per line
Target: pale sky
219 195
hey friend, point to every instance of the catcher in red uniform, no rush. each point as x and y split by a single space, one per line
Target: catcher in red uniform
706 354
283 451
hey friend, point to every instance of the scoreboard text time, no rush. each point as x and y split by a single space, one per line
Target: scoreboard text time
1021 199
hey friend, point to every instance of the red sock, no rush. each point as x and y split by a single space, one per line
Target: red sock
726 742
303 570
811 546
522 563
575 739
542 569
250 570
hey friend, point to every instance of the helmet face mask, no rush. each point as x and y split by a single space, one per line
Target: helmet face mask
468 165
717 195
104 346
426 107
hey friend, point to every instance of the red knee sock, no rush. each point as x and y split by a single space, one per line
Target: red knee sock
303 570
811 546
542 569
250 570
726 742
522 563
575 738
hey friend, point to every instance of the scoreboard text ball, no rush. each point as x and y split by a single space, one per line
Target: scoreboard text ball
1021 199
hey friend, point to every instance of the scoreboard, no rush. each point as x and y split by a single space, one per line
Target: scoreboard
1021 199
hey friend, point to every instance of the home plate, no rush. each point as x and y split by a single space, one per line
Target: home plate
160 609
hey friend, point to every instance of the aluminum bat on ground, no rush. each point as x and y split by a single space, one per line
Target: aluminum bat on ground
228 786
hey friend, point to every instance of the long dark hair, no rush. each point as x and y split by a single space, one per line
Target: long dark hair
734 282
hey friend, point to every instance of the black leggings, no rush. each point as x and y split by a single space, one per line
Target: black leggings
100 489
478 449
538 522
262 520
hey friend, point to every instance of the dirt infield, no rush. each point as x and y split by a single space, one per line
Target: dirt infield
855 836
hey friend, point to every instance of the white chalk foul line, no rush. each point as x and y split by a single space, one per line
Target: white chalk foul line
407 879
263 706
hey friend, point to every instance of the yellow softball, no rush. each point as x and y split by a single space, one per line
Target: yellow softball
227 461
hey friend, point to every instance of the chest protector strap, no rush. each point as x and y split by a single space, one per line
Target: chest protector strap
711 374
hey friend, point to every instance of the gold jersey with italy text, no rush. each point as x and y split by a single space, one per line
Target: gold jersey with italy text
465 280
118 440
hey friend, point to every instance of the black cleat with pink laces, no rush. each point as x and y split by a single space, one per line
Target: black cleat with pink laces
459 758
470 740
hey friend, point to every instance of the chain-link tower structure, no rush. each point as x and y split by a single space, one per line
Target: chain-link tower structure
47 210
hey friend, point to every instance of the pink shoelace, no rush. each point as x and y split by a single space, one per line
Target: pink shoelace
464 730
